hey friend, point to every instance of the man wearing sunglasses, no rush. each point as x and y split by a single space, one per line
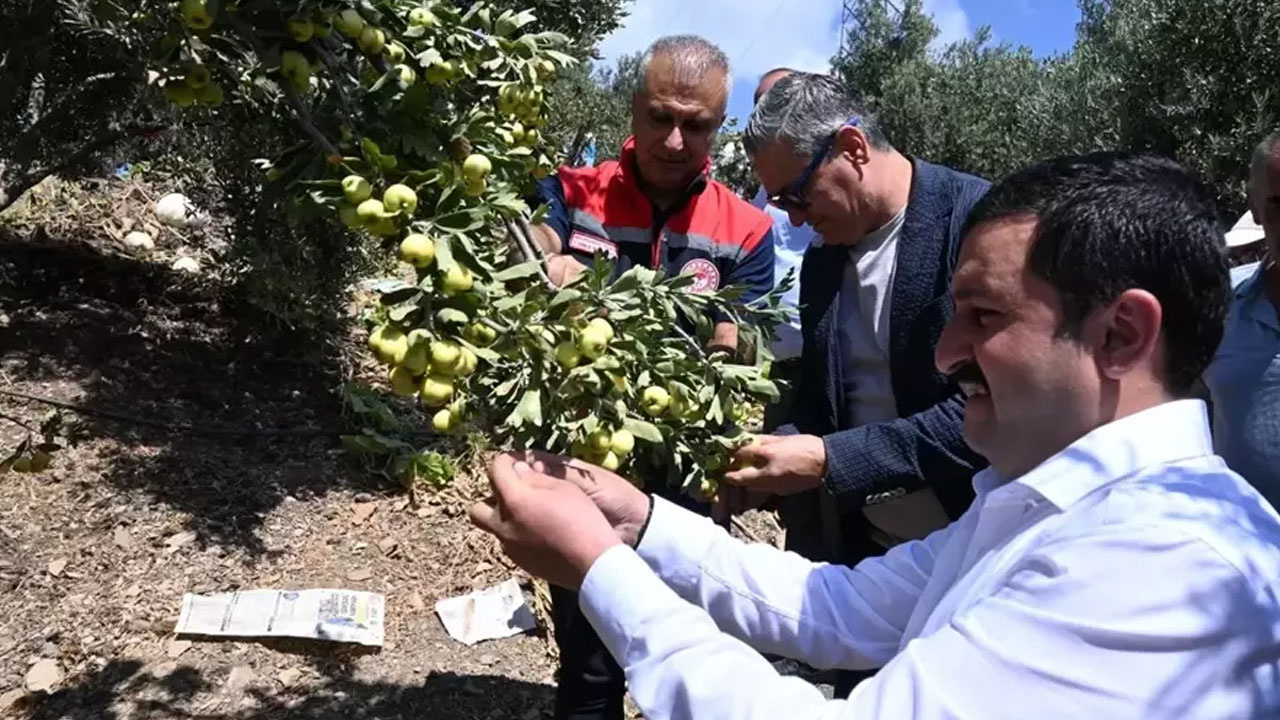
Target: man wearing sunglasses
876 429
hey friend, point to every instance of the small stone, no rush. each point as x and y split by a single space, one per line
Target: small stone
290 677
13 700
49 650
239 678
363 497
187 265
164 669
362 512
415 602
488 660
57 566
388 546
43 676
139 240
177 540
360 575
177 647
123 537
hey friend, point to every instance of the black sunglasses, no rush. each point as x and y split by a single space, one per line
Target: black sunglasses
792 197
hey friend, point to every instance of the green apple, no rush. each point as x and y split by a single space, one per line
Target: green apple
592 342
439 72
467 364
301 28
611 461
180 94
408 75
622 442
422 17
532 137
567 355
475 188
603 326
371 40
476 168
445 357
296 68
395 53
370 211
356 189
457 280
415 359
480 334
210 95
655 400
402 382
196 14
40 461
350 23
384 227
418 250
400 198
197 76
600 440
389 344
436 391
443 422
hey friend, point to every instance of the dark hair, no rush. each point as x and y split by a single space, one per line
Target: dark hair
1109 222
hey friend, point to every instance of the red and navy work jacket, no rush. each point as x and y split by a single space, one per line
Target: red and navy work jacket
716 236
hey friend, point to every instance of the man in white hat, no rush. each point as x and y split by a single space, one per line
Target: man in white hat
1245 375
1244 241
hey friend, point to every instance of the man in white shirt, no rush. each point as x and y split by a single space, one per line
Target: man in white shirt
1110 567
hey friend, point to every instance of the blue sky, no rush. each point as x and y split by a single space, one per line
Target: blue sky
761 34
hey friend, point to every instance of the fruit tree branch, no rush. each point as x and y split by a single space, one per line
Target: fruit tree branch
520 231
305 120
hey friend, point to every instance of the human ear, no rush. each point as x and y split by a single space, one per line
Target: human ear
1127 333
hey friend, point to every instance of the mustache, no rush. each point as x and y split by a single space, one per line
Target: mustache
969 373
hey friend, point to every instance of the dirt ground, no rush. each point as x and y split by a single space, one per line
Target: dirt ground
96 554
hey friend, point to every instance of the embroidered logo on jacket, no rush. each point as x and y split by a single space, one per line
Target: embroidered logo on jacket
707 276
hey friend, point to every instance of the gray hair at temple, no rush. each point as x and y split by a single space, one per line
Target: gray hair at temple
692 57
802 110
1265 150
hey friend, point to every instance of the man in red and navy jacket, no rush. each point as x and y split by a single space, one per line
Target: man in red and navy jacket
654 206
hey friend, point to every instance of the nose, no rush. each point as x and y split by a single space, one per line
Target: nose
953 349
675 140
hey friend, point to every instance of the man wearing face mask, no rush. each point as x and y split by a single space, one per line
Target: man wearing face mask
876 426
654 206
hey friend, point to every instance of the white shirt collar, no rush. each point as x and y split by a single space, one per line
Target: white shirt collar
1163 434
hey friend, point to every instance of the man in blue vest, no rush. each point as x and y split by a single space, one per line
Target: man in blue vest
876 426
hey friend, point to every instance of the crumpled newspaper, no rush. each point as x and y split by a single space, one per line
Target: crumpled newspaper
347 616
490 614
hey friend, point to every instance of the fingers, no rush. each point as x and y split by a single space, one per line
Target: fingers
745 477
580 473
754 454
485 516
503 474
770 439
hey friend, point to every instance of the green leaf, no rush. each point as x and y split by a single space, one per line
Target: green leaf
565 296
511 302
767 388
444 253
464 220
452 316
517 272
483 353
644 430
530 407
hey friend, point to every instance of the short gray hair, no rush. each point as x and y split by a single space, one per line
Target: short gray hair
1263 153
802 110
691 56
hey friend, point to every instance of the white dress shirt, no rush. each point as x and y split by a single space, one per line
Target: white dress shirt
789 244
1132 575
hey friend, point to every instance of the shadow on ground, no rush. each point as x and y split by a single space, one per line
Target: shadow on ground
123 335
125 688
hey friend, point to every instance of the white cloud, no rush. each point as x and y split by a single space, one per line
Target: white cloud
951 19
